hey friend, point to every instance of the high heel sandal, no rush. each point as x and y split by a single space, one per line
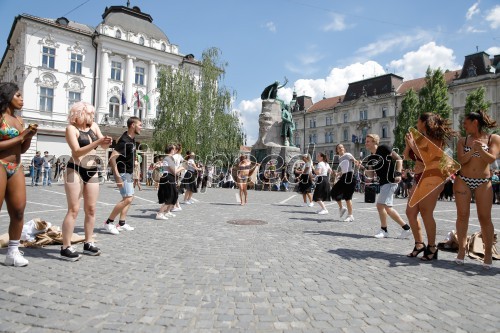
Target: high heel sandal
429 255
460 262
416 251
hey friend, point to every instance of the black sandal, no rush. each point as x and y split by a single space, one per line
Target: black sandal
429 255
416 251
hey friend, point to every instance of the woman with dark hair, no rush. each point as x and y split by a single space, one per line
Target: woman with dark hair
190 178
244 167
322 190
167 191
14 141
475 153
305 180
345 186
437 131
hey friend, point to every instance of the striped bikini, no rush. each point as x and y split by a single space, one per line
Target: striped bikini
474 183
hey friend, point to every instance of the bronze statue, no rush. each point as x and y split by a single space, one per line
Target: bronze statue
271 91
287 126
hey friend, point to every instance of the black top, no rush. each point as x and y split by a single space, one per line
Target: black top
126 148
86 137
383 164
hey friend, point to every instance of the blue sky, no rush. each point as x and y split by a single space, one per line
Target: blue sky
319 45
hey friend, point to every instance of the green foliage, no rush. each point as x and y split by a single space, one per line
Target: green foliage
474 102
434 96
406 118
196 109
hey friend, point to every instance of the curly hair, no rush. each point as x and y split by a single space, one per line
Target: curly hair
81 111
7 92
436 127
483 120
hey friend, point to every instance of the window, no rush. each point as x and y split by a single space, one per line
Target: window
346 117
116 70
385 132
363 114
114 107
314 138
331 155
141 40
296 124
118 34
329 137
46 99
384 112
48 57
364 133
76 63
73 97
139 76
312 123
158 111
327 121
297 140
346 134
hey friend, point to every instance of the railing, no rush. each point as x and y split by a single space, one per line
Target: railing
122 121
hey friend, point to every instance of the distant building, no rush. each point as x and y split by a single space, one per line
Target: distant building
114 66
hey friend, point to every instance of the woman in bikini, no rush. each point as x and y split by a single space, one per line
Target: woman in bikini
475 153
14 141
437 130
83 137
244 167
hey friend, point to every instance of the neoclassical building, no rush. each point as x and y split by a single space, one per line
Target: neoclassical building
372 106
114 66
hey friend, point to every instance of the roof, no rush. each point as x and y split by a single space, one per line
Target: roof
419 83
326 104
72 26
373 86
476 64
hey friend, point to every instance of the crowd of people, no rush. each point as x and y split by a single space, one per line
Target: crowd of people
175 174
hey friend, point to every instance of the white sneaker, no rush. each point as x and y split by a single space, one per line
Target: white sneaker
382 234
186 202
16 259
349 218
342 212
310 204
303 205
169 214
125 227
110 228
191 201
176 209
405 234
323 212
161 216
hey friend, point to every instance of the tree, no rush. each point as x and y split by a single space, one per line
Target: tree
434 95
406 118
195 109
474 102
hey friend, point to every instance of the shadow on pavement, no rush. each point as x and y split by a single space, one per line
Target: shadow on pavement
338 234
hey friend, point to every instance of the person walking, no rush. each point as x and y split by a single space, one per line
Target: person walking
14 141
244 167
168 194
437 131
305 181
345 186
190 178
48 160
137 173
386 164
475 153
322 189
122 164
37 164
83 137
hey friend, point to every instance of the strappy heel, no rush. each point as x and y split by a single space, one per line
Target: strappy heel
415 252
428 254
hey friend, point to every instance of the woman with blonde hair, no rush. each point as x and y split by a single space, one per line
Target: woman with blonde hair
475 153
345 186
83 137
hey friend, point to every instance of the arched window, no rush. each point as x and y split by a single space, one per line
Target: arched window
114 107
118 34
141 40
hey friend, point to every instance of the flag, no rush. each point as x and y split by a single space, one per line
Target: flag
124 101
136 94
146 98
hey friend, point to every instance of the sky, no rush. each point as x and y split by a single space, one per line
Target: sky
320 46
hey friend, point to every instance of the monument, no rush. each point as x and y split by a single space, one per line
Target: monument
276 127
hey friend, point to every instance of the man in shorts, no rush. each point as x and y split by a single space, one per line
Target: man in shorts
384 161
122 164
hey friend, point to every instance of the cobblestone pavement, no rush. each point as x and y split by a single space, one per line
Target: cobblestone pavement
196 272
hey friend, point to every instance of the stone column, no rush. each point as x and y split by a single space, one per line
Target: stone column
104 72
129 79
151 89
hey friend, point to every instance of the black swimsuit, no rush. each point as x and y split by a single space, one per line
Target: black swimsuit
84 139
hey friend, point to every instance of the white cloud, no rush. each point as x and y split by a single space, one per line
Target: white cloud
493 17
473 10
471 29
249 111
337 23
306 62
414 64
494 50
270 26
390 43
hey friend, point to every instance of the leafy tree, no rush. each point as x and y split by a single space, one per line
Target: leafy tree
475 101
434 95
195 109
406 118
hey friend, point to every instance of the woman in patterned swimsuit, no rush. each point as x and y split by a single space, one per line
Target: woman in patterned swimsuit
475 153
14 141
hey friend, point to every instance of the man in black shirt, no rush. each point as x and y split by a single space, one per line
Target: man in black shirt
122 164
384 161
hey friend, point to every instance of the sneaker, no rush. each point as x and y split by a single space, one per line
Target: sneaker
310 204
161 216
125 227
186 202
176 209
16 259
110 228
405 234
349 218
323 212
70 254
382 234
304 205
169 214
342 212
91 249
191 201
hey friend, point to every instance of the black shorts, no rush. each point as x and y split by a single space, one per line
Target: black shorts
85 173
344 188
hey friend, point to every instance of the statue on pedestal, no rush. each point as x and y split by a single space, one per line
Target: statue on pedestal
287 126
271 91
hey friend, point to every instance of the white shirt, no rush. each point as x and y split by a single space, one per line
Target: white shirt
324 168
345 164
178 160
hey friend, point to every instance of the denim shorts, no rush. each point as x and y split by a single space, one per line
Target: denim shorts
128 185
386 195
